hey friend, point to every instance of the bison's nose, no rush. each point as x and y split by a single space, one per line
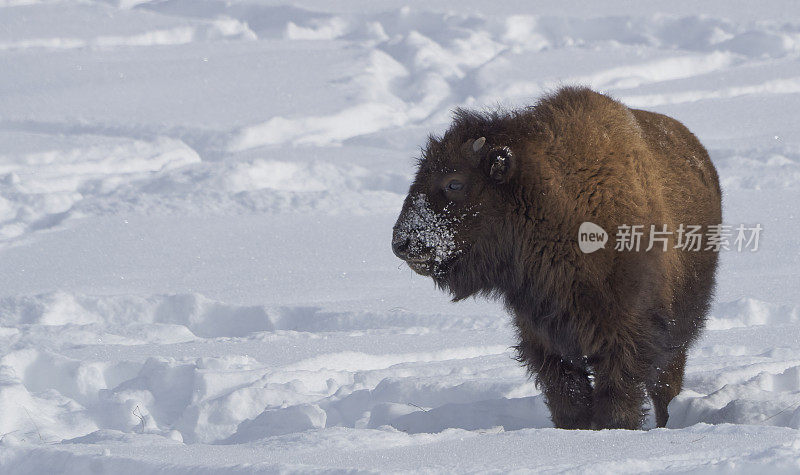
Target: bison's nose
400 247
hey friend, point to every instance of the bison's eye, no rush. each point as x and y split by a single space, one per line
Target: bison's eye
454 185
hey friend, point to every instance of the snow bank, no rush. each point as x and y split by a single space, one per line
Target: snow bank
746 312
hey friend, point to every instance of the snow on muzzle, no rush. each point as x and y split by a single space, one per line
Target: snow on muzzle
422 237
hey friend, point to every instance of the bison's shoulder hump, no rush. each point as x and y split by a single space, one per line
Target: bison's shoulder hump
571 101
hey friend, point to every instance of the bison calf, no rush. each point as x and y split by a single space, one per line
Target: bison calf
495 209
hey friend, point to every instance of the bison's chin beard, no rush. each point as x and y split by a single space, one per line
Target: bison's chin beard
437 270
461 281
421 268
452 276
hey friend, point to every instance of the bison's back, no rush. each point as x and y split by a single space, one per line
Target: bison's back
613 166
690 183
642 164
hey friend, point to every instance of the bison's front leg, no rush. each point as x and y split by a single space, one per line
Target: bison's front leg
618 391
565 384
568 391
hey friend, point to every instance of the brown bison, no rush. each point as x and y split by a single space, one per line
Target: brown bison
495 210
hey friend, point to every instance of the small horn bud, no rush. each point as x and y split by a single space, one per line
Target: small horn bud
478 144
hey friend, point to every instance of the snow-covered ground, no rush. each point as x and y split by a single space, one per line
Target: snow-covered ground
196 202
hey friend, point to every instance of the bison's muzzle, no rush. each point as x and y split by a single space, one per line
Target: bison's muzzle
423 238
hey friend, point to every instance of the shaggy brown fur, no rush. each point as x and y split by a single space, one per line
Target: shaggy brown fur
597 330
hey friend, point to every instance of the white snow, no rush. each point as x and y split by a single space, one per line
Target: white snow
196 210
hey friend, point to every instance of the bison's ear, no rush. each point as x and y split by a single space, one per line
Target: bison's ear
503 164
472 150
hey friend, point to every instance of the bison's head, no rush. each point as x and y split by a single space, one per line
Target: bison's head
452 206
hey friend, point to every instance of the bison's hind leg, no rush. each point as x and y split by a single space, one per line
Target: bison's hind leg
666 384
